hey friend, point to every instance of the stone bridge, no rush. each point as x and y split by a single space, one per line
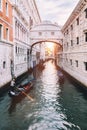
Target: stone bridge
46 32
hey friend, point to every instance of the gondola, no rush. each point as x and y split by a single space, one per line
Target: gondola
20 90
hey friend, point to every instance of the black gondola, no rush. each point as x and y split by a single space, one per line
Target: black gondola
20 90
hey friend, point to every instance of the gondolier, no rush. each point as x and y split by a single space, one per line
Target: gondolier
12 84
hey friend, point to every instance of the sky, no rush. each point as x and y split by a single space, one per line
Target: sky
56 10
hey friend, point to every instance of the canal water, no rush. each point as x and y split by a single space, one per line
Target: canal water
56 106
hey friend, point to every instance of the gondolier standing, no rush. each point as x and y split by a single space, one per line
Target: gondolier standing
13 84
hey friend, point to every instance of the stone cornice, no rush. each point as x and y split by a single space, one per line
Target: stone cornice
75 12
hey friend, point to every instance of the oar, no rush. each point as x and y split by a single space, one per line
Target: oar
29 97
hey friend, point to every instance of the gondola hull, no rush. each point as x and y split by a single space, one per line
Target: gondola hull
19 91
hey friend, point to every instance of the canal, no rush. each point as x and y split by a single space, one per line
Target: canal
56 106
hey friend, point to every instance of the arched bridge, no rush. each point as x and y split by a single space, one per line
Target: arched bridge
46 32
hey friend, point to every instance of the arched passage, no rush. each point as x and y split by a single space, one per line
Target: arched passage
40 42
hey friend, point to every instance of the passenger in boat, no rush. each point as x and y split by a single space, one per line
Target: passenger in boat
20 88
13 84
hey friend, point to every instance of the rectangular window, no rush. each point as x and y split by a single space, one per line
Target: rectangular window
16 50
71 42
0 31
4 64
67 44
85 63
71 27
67 31
86 13
6 9
77 40
40 33
76 63
86 37
77 21
70 62
7 34
0 5
52 33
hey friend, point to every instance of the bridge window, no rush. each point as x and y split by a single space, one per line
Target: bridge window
40 33
52 33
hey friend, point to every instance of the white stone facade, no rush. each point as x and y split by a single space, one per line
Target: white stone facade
5 62
16 20
25 14
74 57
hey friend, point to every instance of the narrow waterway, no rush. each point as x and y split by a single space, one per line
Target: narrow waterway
55 107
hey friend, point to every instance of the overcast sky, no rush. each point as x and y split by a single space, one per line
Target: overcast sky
56 10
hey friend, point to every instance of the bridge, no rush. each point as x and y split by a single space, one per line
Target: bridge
46 32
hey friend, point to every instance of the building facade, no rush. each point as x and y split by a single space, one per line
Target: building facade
73 59
16 20
6 41
25 15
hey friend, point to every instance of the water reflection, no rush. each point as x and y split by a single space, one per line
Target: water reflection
14 103
57 106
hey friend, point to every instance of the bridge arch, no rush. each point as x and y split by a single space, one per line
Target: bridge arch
40 42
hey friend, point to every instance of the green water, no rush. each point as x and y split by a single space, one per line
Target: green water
55 107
